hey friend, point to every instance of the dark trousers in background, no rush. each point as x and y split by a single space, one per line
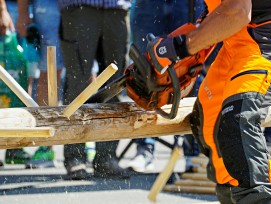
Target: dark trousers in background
89 33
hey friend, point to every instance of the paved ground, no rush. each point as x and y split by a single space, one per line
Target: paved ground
21 186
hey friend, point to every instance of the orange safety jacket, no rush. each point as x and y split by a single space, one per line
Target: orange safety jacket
239 54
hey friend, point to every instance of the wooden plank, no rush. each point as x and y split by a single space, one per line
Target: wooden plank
93 122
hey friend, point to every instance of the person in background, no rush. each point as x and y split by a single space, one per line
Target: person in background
160 17
6 23
46 18
92 30
9 15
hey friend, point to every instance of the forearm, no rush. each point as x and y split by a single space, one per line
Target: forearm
3 5
227 19
23 17
23 7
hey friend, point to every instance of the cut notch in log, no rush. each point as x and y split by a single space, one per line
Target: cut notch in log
90 90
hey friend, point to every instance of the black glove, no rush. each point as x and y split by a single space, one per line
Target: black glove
164 51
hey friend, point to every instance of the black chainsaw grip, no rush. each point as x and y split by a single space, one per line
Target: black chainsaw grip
176 95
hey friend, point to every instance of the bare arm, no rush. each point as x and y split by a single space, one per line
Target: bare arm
23 17
227 19
5 19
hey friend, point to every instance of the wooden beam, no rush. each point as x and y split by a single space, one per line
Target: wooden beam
93 122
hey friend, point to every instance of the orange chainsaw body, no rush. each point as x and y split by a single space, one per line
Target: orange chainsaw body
186 69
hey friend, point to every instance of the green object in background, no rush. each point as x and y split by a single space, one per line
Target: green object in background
90 150
12 59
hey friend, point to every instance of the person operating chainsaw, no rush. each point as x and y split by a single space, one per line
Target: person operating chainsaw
232 99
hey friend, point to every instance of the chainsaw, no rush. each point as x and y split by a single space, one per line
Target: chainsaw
151 90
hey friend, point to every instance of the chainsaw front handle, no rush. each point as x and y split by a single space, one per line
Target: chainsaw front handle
176 95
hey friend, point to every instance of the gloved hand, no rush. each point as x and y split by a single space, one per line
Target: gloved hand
164 51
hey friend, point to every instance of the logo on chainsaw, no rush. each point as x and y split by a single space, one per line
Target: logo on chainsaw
162 50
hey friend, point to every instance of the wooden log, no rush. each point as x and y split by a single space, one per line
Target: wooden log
190 189
16 88
195 176
93 122
164 175
198 169
27 132
90 90
52 76
190 182
202 161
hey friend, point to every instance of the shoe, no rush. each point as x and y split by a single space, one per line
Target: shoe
16 156
143 161
110 169
76 170
1 163
43 158
90 152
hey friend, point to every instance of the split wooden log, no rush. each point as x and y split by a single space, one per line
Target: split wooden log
27 132
16 88
52 76
90 90
93 122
